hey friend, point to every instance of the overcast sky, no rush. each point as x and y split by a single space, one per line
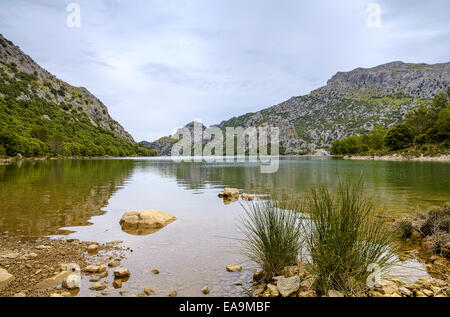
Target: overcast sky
158 65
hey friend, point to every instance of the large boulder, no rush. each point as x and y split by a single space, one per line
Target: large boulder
143 222
5 278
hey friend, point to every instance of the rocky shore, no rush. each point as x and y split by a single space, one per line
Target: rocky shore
298 281
38 268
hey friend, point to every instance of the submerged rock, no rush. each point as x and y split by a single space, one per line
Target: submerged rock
121 272
248 197
234 268
205 290
98 287
173 294
143 222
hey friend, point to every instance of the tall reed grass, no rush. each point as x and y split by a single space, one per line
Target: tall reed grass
340 232
272 236
344 238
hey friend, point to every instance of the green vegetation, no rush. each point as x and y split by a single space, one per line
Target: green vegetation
426 130
33 126
341 234
345 238
272 236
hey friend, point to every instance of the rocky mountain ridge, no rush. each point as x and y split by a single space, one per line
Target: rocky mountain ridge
351 103
43 85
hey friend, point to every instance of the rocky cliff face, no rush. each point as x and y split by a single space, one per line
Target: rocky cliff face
49 88
351 103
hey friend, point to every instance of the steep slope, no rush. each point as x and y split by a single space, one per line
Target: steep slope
351 103
41 114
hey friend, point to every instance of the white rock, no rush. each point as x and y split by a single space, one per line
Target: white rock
288 285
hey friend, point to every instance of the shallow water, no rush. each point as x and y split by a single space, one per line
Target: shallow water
85 199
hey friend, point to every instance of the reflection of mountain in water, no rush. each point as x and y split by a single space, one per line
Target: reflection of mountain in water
38 198
398 186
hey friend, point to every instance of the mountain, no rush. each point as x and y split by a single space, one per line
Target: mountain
41 114
351 103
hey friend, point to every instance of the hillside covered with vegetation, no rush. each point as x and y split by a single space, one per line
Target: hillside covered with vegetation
41 115
426 130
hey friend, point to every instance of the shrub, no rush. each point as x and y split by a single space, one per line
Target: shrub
345 238
272 236
2 150
405 228
398 137
420 139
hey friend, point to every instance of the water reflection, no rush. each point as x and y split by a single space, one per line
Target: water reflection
39 198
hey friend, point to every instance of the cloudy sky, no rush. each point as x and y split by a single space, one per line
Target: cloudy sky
158 65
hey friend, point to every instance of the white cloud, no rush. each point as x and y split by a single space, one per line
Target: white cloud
160 64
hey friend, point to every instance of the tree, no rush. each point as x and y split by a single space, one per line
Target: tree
440 101
398 137
377 136
10 142
443 124
419 120
57 143
40 133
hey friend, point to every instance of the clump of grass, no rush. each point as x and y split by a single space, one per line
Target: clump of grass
405 228
345 237
272 236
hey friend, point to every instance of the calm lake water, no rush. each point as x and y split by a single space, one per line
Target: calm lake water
85 199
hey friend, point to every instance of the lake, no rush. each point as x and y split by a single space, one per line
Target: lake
85 199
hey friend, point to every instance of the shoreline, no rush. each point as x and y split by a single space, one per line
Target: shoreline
397 157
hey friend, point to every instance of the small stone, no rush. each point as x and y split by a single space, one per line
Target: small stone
388 287
148 291
123 292
173 294
155 271
234 268
115 263
427 292
334 293
56 295
117 283
20 294
205 290
95 278
238 283
405 291
258 275
105 292
93 248
98 287
121 272
43 247
273 290
309 293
